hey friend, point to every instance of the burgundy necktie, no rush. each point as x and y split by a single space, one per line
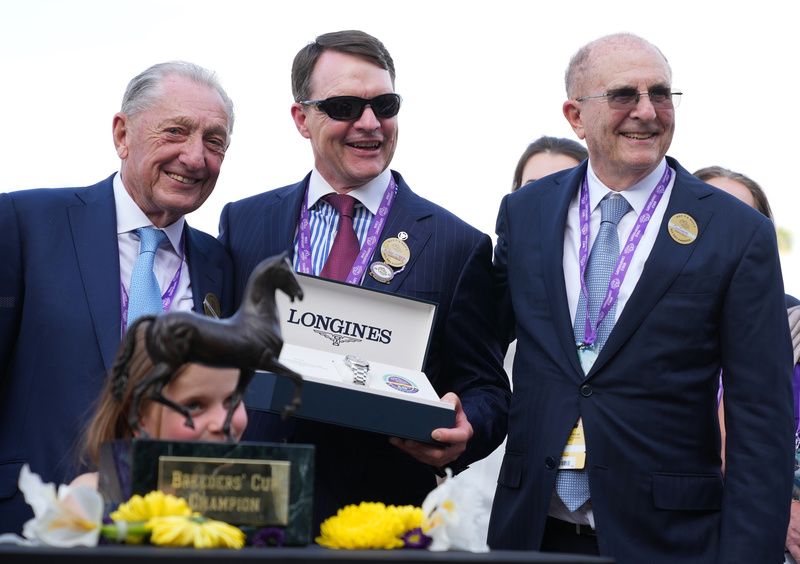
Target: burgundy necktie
345 246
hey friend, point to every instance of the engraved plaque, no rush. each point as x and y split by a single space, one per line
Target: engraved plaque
249 492
251 485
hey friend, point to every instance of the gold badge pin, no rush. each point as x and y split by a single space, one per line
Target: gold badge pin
395 252
682 228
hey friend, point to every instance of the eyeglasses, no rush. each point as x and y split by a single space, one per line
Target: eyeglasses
350 108
661 97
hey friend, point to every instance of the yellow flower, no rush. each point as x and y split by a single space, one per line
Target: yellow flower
412 516
140 509
369 525
154 504
194 530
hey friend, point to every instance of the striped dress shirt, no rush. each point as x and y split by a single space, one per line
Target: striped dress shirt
323 219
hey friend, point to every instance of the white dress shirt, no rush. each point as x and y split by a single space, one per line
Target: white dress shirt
637 196
169 256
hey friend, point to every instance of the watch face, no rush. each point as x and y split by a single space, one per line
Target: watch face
354 362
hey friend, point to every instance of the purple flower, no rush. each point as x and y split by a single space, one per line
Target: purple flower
268 536
415 538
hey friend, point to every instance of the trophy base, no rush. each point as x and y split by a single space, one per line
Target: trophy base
250 485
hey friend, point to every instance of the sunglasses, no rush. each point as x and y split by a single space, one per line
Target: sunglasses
350 108
661 98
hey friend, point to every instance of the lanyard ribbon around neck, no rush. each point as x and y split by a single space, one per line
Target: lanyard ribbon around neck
624 260
376 226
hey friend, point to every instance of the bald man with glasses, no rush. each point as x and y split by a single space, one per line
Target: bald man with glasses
629 284
354 220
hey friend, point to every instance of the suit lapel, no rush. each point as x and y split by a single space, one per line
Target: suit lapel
284 218
206 277
408 214
93 222
553 218
665 262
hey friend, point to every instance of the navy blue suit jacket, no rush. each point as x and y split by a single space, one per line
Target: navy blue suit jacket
649 402
60 324
450 265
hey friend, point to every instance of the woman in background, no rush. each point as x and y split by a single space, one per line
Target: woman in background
545 156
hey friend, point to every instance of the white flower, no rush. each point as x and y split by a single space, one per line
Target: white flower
456 514
71 518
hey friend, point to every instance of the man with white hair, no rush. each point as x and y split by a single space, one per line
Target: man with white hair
80 264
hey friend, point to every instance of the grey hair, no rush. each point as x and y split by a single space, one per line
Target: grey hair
143 89
579 63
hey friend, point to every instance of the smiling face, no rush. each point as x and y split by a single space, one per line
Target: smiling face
348 154
206 393
172 151
624 145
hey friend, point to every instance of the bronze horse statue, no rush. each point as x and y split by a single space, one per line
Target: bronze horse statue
250 340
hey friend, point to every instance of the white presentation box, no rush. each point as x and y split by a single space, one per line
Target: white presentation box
388 331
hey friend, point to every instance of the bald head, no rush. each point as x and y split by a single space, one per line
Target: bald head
581 65
626 141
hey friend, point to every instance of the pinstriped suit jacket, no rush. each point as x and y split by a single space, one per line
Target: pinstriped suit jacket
60 324
450 265
649 402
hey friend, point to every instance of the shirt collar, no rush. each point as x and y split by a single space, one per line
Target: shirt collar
130 217
637 195
370 194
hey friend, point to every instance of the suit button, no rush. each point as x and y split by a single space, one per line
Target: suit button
549 462
586 390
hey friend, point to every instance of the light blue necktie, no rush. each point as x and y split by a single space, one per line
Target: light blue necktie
144 293
573 485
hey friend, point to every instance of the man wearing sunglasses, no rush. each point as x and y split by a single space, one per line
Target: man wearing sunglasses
345 104
629 284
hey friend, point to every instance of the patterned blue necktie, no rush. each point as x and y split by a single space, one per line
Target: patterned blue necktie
573 485
144 293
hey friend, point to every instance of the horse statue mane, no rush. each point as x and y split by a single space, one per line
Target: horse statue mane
249 340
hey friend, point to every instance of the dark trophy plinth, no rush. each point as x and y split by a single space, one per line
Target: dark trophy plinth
251 485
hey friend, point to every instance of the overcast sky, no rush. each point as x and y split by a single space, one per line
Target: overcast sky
479 81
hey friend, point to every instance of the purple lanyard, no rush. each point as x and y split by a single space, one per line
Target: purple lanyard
624 259
373 236
166 299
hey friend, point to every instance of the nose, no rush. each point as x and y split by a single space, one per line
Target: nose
193 153
368 120
216 420
644 108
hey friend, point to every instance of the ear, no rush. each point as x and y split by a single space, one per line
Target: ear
119 129
299 116
150 420
572 111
